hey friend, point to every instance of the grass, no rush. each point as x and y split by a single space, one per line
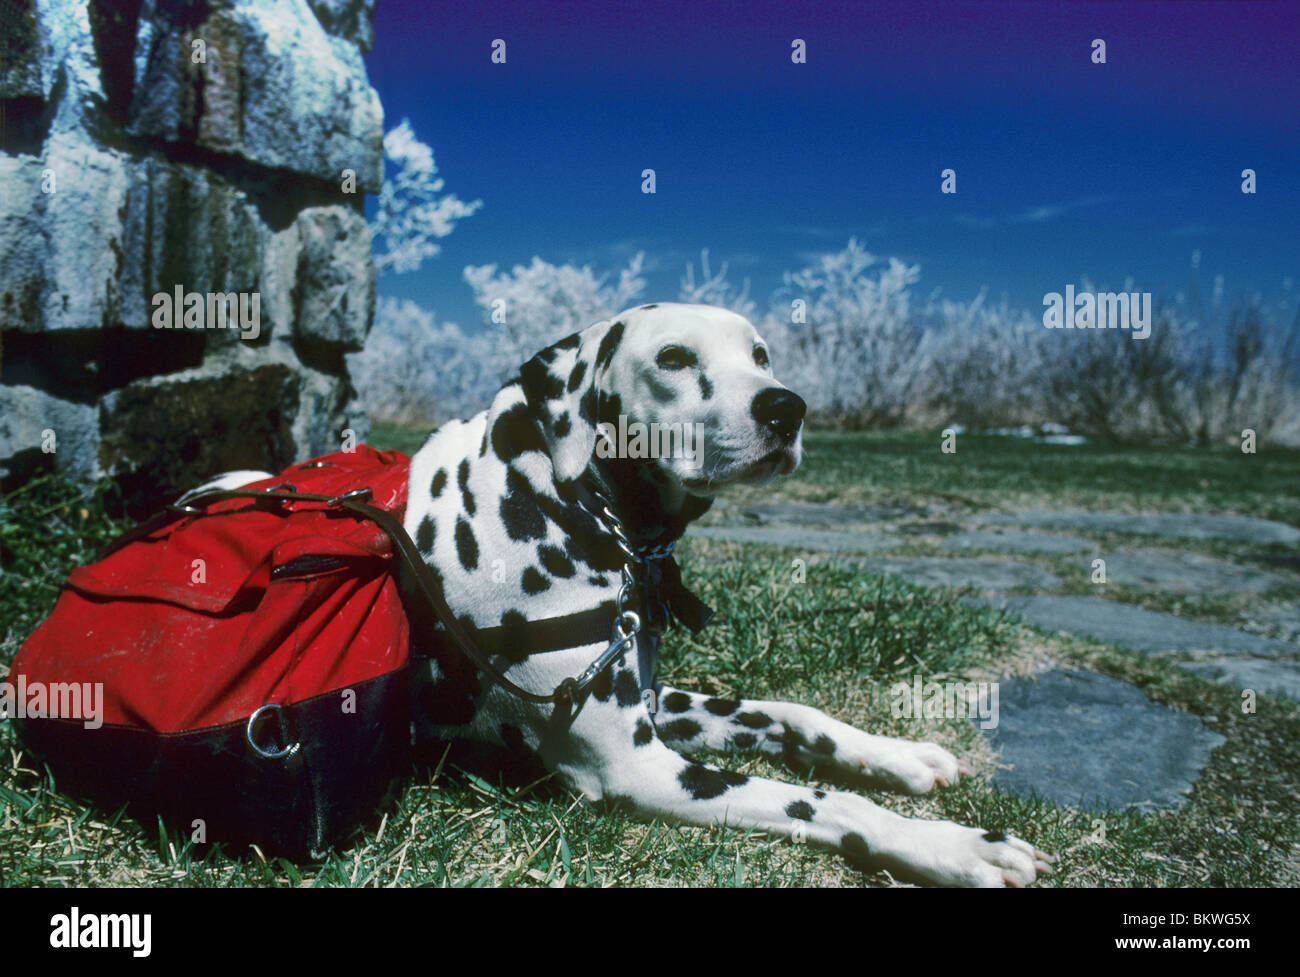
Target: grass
1014 473
836 639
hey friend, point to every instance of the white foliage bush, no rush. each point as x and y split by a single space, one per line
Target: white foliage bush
416 370
714 289
531 307
859 354
846 334
413 210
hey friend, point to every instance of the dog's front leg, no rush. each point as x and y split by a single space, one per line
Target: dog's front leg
803 736
613 753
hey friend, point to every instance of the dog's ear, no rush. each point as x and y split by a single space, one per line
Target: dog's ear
563 387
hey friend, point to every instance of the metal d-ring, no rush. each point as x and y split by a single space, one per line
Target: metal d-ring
280 754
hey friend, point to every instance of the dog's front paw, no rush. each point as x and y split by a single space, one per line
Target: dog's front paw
902 765
944 853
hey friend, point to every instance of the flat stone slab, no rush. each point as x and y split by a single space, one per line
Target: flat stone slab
1095 742
1286 619
1017 542
980 573
1269 677
1183 573
1187 525
817 513
1134 627
804 539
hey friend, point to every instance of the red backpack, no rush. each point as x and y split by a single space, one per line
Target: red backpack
238 664
244 676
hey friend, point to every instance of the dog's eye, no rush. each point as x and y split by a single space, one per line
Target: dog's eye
675 358
760 356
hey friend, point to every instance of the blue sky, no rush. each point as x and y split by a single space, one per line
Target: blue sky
1065 169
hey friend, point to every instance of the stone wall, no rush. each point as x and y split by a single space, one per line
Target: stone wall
210 146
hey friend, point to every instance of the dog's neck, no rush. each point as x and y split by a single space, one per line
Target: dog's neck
652 507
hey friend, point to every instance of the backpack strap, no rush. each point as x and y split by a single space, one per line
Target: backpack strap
586 627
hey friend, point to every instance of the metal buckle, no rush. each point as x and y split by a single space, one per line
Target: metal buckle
249 732
357 494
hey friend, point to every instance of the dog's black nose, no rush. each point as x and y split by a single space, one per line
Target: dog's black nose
780 409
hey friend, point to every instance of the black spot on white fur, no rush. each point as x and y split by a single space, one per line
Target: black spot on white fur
520 513
462 479
515 432
466 544
704 783
855 848
627 689
609 345
439 482
800 810
555 562
575 377
533 582
644 733
424 535
679 729
677 702
706 388
722 707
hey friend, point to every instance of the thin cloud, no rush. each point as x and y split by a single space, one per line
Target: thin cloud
1034 215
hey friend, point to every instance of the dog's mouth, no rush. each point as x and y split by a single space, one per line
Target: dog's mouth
779 461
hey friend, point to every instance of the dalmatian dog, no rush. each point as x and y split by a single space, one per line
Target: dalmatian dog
506 510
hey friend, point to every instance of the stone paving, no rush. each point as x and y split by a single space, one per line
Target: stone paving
1072 736
987 574
1017 542
1184 573
1080 738
1114 623
1191 525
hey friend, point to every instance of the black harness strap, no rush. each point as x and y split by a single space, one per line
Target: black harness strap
420 588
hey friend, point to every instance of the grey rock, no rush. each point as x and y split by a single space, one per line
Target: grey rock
1285 619
336 278
352 20
1192 525
49 277
20 55
804 539
818 513
182 427
1183 573
1270 677
1088 740
328 409
129 171
188 226
985 574
1017 542
275 89
1134 627
26 414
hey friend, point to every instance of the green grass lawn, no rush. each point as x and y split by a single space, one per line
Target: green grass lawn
837 640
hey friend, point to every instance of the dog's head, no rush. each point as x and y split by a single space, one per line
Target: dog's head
686 390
